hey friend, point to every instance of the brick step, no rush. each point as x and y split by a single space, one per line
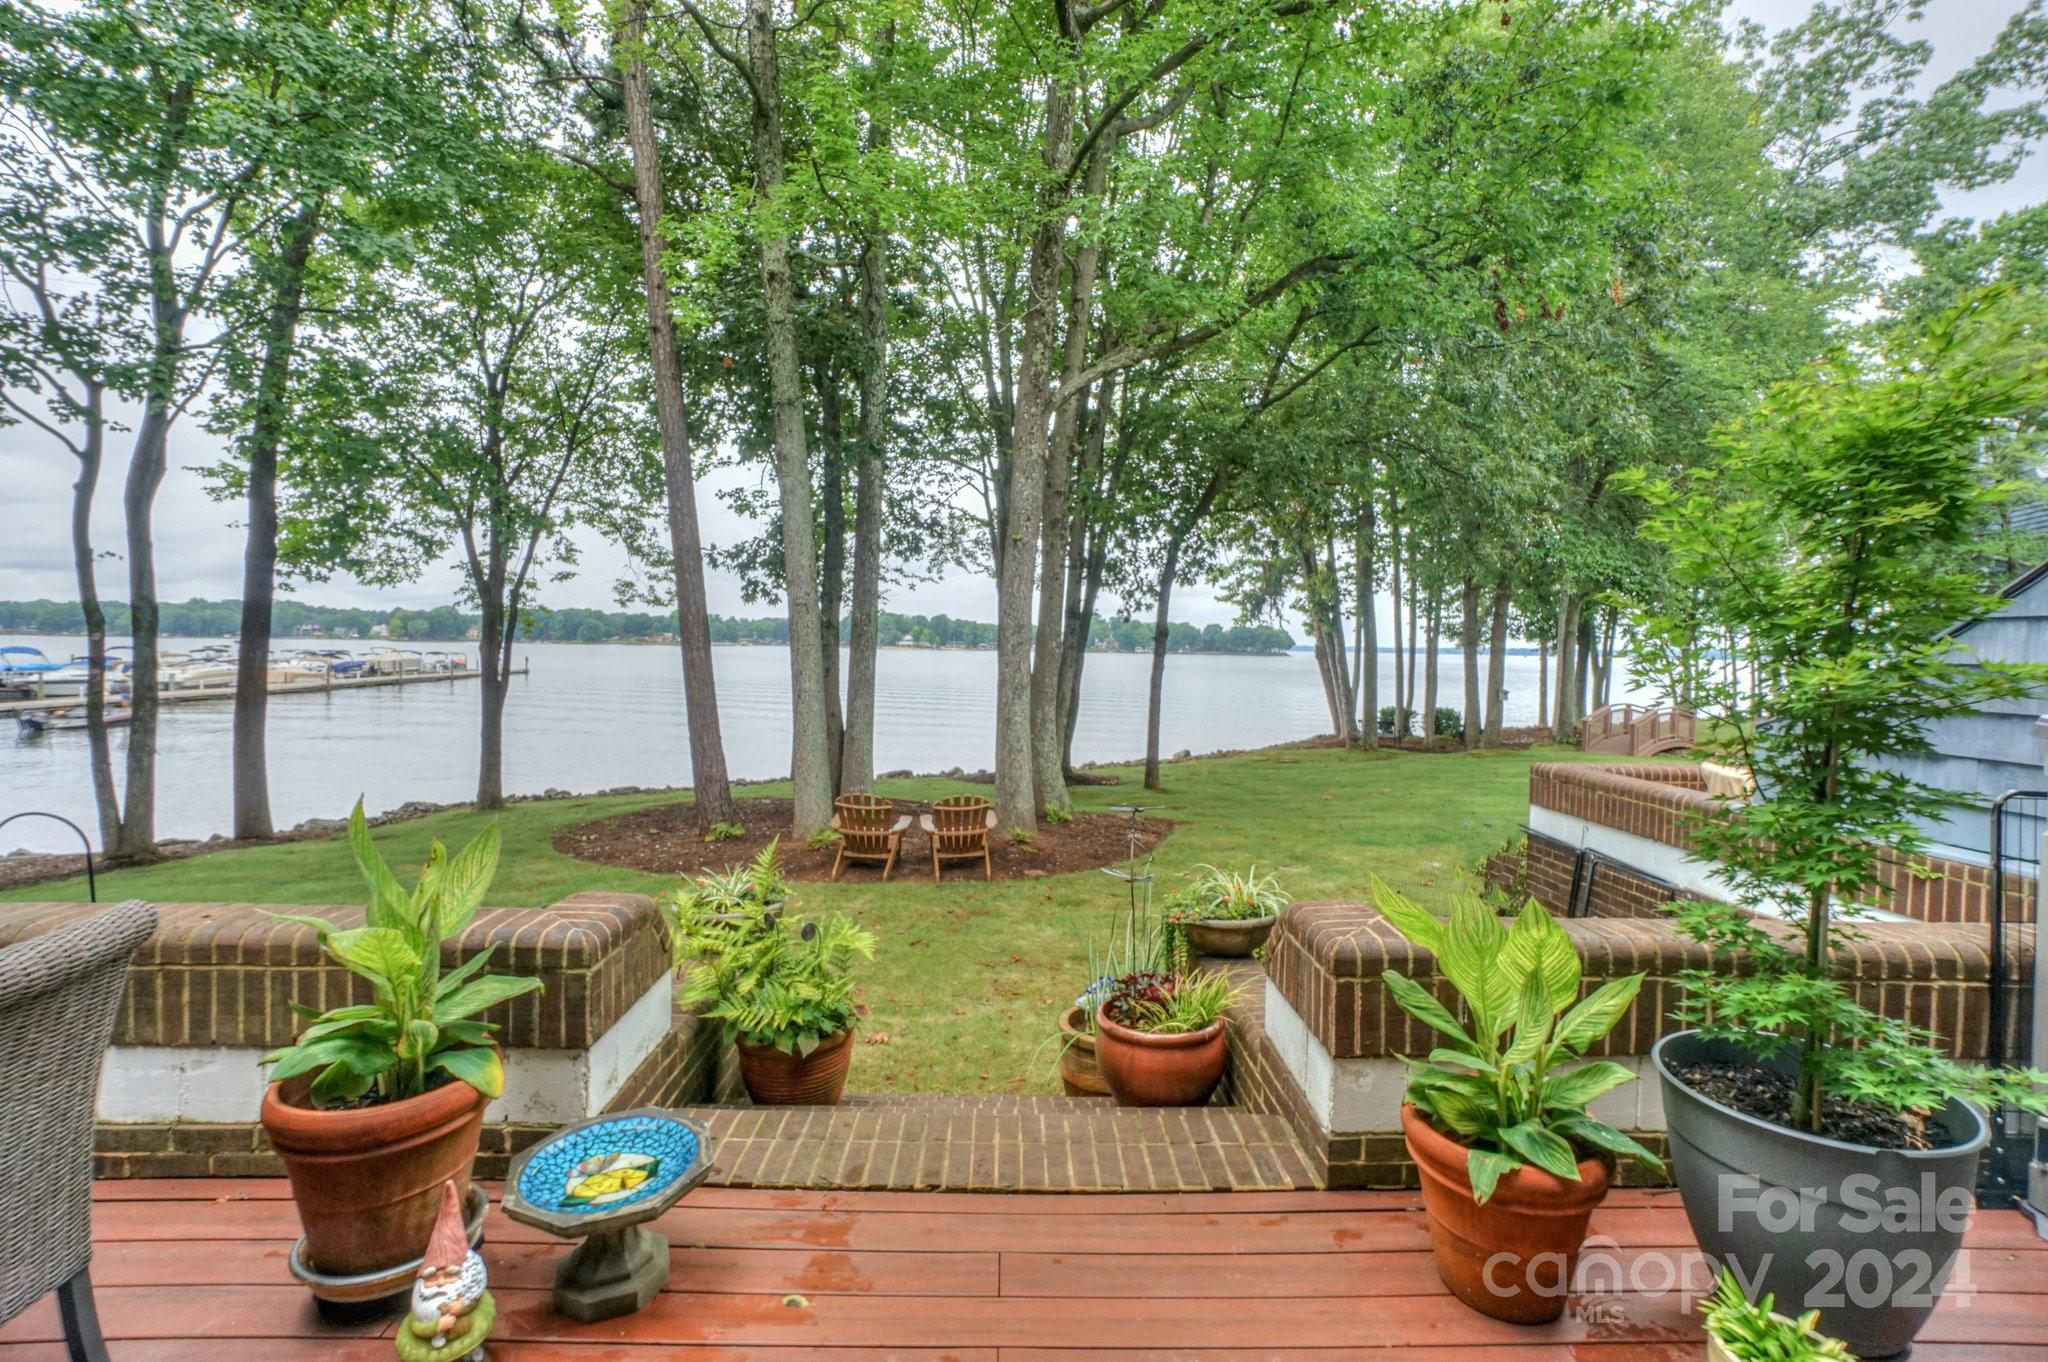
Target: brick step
1018 1143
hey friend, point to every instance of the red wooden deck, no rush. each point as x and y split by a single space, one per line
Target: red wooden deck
194 1271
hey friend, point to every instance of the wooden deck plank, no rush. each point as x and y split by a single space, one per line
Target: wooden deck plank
738 1271
1041 1230
909 1277
379 1350
1008 1322
978 1203
1081 1275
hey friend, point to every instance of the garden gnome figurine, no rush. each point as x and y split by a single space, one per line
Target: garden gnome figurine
452 1311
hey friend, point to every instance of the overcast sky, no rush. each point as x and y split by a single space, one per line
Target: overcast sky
199 543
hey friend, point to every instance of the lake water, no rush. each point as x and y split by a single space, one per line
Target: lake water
591 716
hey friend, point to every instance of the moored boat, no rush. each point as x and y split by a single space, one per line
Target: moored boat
69 717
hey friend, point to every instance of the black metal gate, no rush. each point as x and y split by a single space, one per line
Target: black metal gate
2017 820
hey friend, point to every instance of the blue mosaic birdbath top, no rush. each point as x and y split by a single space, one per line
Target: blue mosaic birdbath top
609 1165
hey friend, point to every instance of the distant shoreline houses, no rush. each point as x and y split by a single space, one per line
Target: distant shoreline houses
201 618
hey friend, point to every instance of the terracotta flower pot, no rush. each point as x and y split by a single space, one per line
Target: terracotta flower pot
1513 1257
776 1078
1147 1070
1079 1072
367 1180
1231 938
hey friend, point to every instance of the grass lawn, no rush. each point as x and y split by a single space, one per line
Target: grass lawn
969 976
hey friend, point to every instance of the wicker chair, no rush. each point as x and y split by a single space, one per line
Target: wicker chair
59 994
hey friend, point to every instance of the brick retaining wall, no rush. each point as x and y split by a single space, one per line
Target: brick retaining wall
1547 870
1664 801
209 993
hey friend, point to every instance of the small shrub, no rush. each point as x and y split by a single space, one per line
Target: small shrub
1058 814
824 839
1449 722
724 832
1019 837
1387 721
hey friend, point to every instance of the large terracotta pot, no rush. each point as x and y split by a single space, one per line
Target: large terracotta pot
1079 1073
1513 1257
1147 1070
776 1078
368 1179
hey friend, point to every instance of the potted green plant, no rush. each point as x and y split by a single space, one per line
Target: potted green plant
782 985
1159 1038
1495 1118
1738 1331
1226 913
379 1103
1139 943
1829 536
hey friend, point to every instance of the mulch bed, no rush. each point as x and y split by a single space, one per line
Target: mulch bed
668 840
1767 1095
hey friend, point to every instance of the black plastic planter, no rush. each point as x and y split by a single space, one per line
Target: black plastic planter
1868 1237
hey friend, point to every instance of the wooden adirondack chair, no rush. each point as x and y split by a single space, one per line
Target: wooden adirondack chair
869 830
959 826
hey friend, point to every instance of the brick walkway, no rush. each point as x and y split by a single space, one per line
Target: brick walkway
918 1142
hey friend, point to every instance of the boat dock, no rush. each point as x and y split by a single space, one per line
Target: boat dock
330 683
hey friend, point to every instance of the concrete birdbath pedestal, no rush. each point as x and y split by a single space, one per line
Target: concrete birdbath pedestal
600 1181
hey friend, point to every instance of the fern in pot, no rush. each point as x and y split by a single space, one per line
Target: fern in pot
378 1103
780 983
1495 1119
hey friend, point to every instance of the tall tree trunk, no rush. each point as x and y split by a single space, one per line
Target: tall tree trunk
832 566
1474 717
1432 642
1088 560
1567 665
1542 681
1016 792
1336 699
137 839
491 647
810 765
857 754
1402 642
1368 627
1583 668
91 451
1340 658
1606 686
259 557
1156 687
1414 650
711 786
1496 664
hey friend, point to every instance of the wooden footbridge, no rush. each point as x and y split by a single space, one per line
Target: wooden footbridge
1637 730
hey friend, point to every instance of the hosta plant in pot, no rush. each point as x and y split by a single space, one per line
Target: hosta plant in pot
1827 1152
1226 913
780 983
1159 1038
1741 1331
1495 1119
379 1103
